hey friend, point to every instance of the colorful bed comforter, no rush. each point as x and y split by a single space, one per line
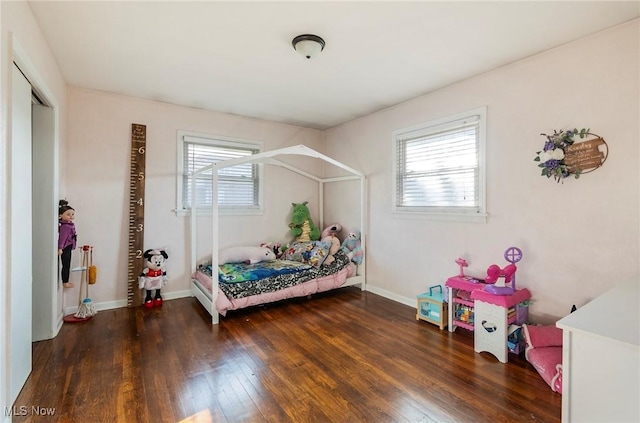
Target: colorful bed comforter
243 272
242 280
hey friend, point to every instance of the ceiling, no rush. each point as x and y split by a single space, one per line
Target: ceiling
237 57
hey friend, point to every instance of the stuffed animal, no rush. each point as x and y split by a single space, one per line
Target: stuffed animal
153 276
302 227
277 248
249 255
333 229
334 246
351 246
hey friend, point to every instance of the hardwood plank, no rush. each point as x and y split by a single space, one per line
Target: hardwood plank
344 355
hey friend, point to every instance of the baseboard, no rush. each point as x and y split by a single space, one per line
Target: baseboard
110 305
178 294
411 302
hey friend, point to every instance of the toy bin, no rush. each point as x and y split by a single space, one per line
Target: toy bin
432 307
515 339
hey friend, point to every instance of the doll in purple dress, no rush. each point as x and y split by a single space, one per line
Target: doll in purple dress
66 239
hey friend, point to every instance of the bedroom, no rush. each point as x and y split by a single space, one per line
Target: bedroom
558 226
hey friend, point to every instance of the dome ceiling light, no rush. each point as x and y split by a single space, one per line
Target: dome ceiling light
308 45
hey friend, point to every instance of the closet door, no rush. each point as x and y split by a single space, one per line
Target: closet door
20 232
45 225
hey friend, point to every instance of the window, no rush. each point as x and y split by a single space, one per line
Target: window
239 187
439 168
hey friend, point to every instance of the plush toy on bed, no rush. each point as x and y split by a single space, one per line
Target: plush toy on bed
334 246
333 229
277 248
153 276
249 255
302 227
351 246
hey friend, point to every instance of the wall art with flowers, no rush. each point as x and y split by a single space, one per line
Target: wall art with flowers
562 156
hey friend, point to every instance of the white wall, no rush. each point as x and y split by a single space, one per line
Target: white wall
97 184
579 238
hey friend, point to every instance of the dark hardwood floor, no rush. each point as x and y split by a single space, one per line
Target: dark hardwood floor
342 356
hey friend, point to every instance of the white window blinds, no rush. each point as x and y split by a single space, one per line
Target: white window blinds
438 167
238 186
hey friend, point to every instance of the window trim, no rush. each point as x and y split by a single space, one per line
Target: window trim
431 127
217 140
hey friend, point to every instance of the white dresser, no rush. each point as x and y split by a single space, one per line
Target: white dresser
601 358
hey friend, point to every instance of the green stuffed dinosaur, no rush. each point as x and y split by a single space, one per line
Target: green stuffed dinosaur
302 227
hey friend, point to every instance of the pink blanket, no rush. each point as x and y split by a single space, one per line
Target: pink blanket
326 283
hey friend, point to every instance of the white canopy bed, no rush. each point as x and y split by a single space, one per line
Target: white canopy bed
207 288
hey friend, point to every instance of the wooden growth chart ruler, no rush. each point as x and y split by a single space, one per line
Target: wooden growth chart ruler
136 212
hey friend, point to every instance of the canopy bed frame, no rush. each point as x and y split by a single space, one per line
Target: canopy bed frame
358 277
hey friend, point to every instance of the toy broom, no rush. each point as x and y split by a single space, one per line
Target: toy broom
86 308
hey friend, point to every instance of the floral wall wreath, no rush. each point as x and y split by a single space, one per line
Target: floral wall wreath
562 156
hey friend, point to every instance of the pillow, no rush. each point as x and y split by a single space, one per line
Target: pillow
548 364
313 253
319 254
297 250
542 336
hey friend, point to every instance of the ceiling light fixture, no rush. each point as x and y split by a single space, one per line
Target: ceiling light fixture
308 45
